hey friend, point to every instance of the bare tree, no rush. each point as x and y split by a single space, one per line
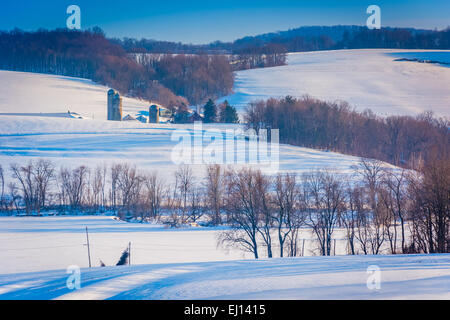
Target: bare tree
294 222
214 191
129 184
430 206
15 196
264 209
393 195
370 171
242 207
349 217
363 234
378 231
115 172
254 115
196 204
43 174
325 202
24 175
155 193
184 182
286 214
74 183
370 229
97 185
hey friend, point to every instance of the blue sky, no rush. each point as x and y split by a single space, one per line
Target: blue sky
200 21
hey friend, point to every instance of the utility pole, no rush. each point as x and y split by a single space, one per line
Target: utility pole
89 251
129 253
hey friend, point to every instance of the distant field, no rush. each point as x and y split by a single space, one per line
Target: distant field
26 134
186 264
364 78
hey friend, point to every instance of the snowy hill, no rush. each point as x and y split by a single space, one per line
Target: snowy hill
180 263
71 142
342 277
364 78
32 94
34 123
186 264
31 244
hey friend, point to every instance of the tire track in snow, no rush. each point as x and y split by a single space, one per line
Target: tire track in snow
105 289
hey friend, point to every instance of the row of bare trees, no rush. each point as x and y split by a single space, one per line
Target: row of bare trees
404 141
121 188
378 208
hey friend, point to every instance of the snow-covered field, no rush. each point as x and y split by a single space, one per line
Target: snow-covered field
43 243
363 78
72 142
49 243
26 134
30 94
186 264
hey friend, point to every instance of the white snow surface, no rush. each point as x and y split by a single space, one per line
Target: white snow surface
45 243
36 94
186 264
54 242
73 142
34 124
337 277
365 78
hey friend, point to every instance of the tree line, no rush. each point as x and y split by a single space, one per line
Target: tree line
252 57
195 77
380 207
267 50
170 80
401 140
349 37
307 38
377 206
175 74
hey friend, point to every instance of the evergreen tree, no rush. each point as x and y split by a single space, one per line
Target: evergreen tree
228 113
181 114
210 112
